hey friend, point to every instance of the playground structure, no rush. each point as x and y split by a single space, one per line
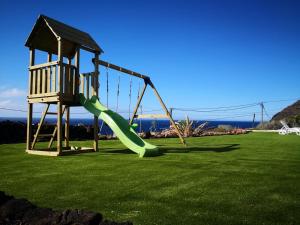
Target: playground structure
59 82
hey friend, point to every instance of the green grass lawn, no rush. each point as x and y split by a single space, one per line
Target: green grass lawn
244 179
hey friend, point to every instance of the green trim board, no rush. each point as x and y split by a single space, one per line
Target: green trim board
119 126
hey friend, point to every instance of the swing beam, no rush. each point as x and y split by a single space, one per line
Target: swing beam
147 81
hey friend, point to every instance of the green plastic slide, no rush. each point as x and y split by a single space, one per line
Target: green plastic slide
120 127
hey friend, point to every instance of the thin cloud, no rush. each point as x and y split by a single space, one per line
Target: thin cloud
5 103
13 92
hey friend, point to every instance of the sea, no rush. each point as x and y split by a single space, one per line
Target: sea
144 125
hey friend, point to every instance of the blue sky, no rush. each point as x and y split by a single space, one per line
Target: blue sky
199 54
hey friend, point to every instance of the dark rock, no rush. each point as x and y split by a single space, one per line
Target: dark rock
22 212
43 216
4 198
108 222
76 216
15 209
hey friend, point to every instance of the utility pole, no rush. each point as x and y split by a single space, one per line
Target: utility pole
253 120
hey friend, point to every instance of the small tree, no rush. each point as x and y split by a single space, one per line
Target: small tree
185 127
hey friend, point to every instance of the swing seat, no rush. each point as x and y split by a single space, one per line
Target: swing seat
134 126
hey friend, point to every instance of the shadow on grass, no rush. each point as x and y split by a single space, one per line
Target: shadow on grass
214 148
164 149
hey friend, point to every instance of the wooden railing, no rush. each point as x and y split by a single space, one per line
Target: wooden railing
43 80
88 82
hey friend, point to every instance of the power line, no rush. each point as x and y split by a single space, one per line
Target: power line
221 109
282 100
198 110
16 110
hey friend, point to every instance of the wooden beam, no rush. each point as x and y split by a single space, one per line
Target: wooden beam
167 112
29 126
33 82
44 153
121 69
87 86
53 85
76 63
33 67
59 127
42 99
70 80
67 126
49 73
82 83
67 79
44 95
138 103
31 63
30 106
59 104
44 80
95 92
38 82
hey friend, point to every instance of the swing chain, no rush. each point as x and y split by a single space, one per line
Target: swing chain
107 91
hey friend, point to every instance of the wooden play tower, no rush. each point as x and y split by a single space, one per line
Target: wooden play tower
59 82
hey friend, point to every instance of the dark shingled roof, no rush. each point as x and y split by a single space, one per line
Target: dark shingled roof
58 29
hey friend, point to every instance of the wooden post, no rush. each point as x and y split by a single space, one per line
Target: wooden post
87 76
138 103
76 63
67 127
48 72
29 127
59 127
95 91
67 108
59 104
166 111
30 106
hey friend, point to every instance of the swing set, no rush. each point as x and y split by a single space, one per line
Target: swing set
147 82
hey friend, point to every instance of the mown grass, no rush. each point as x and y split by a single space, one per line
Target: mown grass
245 179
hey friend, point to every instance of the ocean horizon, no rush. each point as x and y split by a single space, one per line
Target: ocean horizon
143 125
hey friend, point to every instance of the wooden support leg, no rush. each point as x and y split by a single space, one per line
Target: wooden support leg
67 127
29 127
96 133
167 112
59 127
95 91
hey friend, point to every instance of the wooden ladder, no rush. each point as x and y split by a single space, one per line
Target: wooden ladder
52 135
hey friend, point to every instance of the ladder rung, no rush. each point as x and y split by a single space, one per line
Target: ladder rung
52 113
45 135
